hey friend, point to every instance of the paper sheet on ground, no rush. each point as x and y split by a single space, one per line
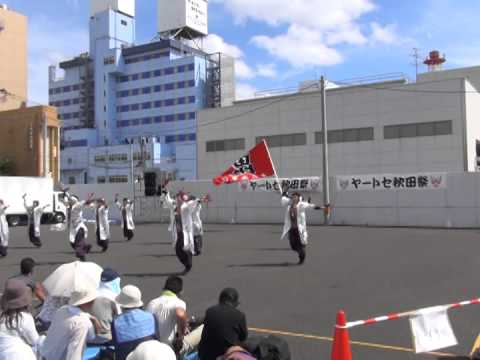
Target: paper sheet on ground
431 329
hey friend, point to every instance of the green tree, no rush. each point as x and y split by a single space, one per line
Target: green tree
6 167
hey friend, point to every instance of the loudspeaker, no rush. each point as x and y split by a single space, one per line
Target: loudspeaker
150 179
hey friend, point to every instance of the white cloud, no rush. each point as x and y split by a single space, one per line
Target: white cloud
384 34
245 91
266 70
300 46
48 46
316 28
215 43
319 14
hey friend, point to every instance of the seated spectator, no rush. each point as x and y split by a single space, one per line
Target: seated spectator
26 275
105 308
19 339
49 308
134 326
72 327
225 326
171 314
152 350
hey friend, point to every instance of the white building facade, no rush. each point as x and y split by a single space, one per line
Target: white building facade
383 128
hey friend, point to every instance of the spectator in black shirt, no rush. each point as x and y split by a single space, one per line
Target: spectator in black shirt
225 326
26 276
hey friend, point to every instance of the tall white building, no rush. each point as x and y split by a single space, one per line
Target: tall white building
389 127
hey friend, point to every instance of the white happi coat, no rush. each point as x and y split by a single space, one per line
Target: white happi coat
129 213
302 206
186 212
37 216
75 218
102 223
197 220
4 232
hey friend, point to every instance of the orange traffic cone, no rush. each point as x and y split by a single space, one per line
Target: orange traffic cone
341 341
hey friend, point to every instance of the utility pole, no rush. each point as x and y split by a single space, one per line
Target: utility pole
326 181
416 58
132 173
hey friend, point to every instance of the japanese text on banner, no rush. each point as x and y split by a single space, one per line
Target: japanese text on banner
307 184
392 182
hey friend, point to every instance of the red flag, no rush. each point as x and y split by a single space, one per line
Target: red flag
256 164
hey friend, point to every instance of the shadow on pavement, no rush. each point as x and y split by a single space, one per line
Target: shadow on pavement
153 243
274 249
454 358
159 256
147 275
271 265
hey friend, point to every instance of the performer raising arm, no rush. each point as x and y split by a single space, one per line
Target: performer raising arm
78 231
181 226
102 225
295 225
4 232
34 213
126 207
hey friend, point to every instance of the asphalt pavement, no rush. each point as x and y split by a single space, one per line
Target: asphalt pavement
365 271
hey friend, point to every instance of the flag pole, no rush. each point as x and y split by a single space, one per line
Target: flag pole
273 166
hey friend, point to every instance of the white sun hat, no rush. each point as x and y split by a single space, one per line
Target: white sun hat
130 297
152 350
83 295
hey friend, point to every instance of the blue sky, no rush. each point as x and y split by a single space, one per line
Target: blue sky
279 43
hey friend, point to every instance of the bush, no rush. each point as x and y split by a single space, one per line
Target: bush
6 167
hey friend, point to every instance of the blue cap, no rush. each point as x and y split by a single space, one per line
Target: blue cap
109 275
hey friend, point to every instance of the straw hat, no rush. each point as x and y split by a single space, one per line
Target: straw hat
130 297
152 350
16 296
83 296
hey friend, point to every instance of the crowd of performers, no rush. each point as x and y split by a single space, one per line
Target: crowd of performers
186 226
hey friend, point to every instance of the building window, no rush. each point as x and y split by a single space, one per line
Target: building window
71 180
157 73
146 90
191 99
134 107
225 145
109 60
191 116
147 105
434 128
76 87
181 117
285 140
118 179
67 88
169 102
170 86
158 119
157 88
181 101
181 84
99 158
101 180
191 67
181 68
123 22
146 121
118 157
169 118
135 92
169 71
134 77
158 103
346 135
191 83
146 75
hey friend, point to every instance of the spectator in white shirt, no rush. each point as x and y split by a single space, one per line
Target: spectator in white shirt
19 340
72 327
171 314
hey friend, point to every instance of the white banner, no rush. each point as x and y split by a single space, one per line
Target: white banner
425 181
307 184
431 329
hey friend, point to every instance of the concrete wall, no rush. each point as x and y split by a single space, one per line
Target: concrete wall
456 206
